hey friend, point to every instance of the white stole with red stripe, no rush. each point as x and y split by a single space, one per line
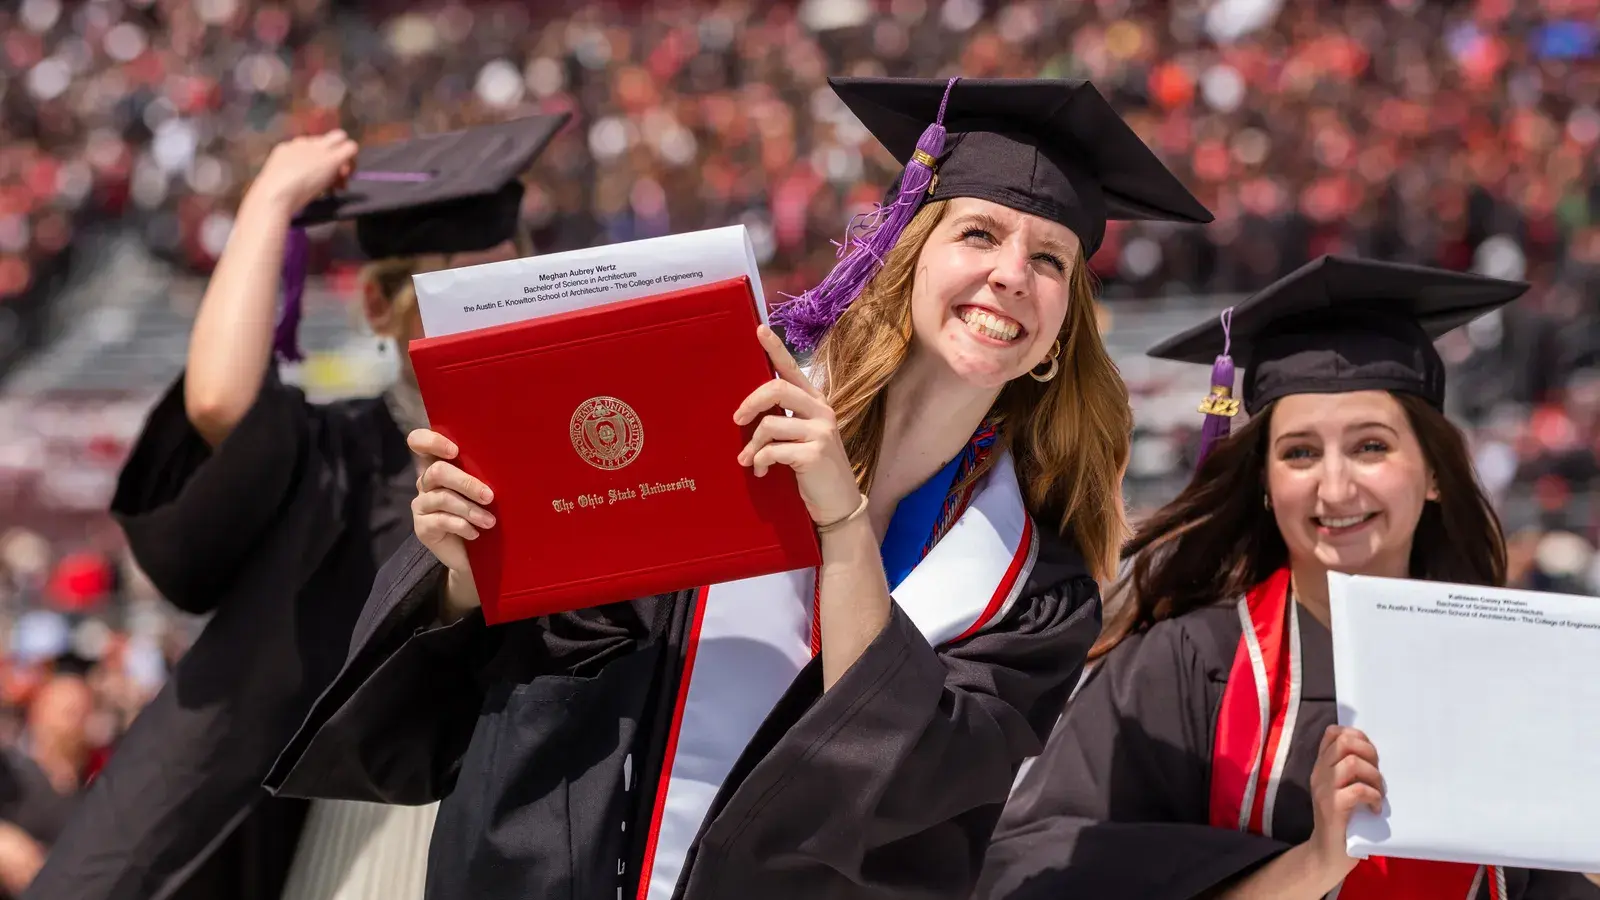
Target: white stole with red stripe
751 638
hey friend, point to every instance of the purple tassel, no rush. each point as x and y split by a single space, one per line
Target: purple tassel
296 258
868 240
285 338
1219 406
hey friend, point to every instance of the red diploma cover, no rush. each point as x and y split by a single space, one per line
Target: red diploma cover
608 437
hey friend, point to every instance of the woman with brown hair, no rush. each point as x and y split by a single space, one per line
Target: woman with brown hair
245 501
1202 757
850 732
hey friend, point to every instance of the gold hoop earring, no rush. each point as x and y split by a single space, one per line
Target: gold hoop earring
1053 358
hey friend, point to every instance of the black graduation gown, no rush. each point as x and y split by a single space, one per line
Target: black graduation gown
1118 803
29 800
544 738
278 533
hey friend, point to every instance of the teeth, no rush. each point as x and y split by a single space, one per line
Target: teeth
1343 523
991 325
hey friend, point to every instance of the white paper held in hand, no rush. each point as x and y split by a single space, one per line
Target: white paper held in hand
472 297
1484 706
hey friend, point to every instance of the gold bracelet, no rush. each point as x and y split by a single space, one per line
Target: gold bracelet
861 508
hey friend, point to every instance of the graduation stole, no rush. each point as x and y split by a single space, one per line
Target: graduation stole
955 503
750 639
1255 728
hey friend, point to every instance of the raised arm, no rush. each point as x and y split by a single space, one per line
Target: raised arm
231 343
853 591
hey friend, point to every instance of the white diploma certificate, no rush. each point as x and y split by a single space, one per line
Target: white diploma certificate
473 297
1484 707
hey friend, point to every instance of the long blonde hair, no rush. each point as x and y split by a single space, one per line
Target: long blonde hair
392 276
1069 437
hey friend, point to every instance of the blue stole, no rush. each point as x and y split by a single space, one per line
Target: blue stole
913 523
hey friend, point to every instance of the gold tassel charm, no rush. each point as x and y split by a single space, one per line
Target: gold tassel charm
1220 402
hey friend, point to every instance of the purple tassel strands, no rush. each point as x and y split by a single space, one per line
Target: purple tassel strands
285 338
1219 406
868 240
296 258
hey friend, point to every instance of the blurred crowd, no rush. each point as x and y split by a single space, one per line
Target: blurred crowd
84 644
1470 139
1462 134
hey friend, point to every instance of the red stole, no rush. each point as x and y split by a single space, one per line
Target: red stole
1255 728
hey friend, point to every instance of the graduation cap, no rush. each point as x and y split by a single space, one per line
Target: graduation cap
1334 325
1050 148
454 192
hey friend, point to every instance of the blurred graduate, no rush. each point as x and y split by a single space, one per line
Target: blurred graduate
1202 758
273 514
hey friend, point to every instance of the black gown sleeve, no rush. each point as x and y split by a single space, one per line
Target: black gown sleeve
396 723
1117 804
192 513
28 800
393 725
890 783
1544 885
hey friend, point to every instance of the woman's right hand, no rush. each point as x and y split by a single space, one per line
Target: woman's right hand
302 169
447 512
1345 777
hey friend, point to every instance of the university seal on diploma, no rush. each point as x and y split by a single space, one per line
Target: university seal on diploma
585 383
606 433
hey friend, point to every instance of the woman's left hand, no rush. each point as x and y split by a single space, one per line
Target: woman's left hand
807 441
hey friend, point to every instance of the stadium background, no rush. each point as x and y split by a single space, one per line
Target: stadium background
1461 134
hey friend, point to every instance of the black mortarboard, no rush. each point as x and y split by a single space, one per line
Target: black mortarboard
1051 148
453 192
1338 324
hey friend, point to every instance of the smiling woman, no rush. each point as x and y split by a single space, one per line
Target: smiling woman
1202 758
982 294
958 443
1349 478
1365 482
995 278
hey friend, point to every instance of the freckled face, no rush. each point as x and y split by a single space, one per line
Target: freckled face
991 290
